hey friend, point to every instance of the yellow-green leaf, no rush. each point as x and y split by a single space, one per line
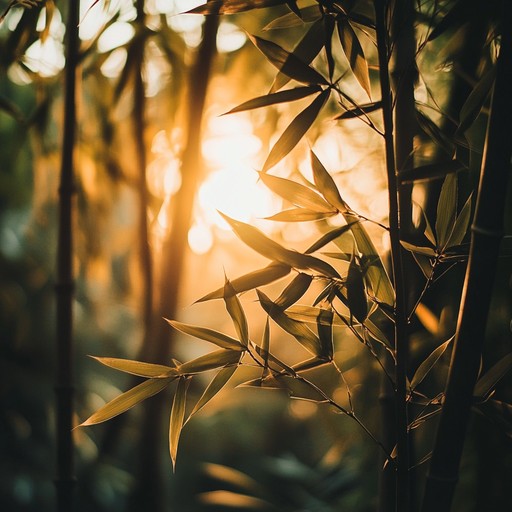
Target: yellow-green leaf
210 361
138 368
300 215
446 210
177 417
461 225
427 365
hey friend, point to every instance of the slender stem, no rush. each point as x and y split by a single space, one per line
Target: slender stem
65 479
402 474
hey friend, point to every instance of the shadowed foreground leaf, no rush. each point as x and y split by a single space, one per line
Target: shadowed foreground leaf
356 293
294 291
446 210
488 381
427 365
233 6
177 417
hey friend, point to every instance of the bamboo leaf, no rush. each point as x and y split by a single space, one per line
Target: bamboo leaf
427 251
429 363
127 400
252 280
354 53
446 210
234 500
216 359
299 215
325 184
356 293
215 385
311 314
278 97
290 20
236 312
203 333
287 62
294 291
359 111
430 172
305 336
138 368
453 19
328 237
434 132
429 232
296 130
461 225
488 381
296 193
272 250
233 6
231 476
324 327
177 417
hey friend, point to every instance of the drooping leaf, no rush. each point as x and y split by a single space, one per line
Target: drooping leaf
306 50
215 385
356 292
305 336
429 363
429 232
287 62
294 291
127 400
328 237
177 417
430 171
138 368
236 312
278 97
354 53
295 130
272 250
325 184
233 6
299 215
252 280
203 333
461 225
486 383
359 111
296 193
446 210
324 325
216 359
427 251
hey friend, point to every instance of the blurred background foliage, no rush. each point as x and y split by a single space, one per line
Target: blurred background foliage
290 454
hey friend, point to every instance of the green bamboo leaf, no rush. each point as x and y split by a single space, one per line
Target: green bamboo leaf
329 237
429 363
233 6
427 251
356 292
476 100
203 333
236 312
177 417
252 280
216 359
296 130
486 384
430 172
138 368
296 193
272 250
127 400
305 336
429 232
446 210
306 50
299 215
216 384
287 62
290 20
359 111
354 53
278 97
294 291
461 225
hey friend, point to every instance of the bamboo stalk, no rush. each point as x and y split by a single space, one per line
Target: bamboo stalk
486 235
65 479
400 317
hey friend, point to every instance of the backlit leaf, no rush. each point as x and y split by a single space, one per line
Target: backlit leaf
233 6
203 333
177 417
461 225
356 293
359 111
295 131
230 476
328 237
325 184
446 210
127 400
485 384
299 215
434 132
278 97
354 53
252 280
427 251
429 363
290 20
234 500
236 312
210 361
294 291
138 368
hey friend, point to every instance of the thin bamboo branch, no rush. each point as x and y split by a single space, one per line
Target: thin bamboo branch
402 444
65 479
486 235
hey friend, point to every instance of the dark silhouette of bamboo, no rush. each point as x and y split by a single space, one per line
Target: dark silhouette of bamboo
65 479
149 487
402 458
486 235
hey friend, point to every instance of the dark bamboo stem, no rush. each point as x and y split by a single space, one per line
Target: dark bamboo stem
486 235
65 479
402 466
